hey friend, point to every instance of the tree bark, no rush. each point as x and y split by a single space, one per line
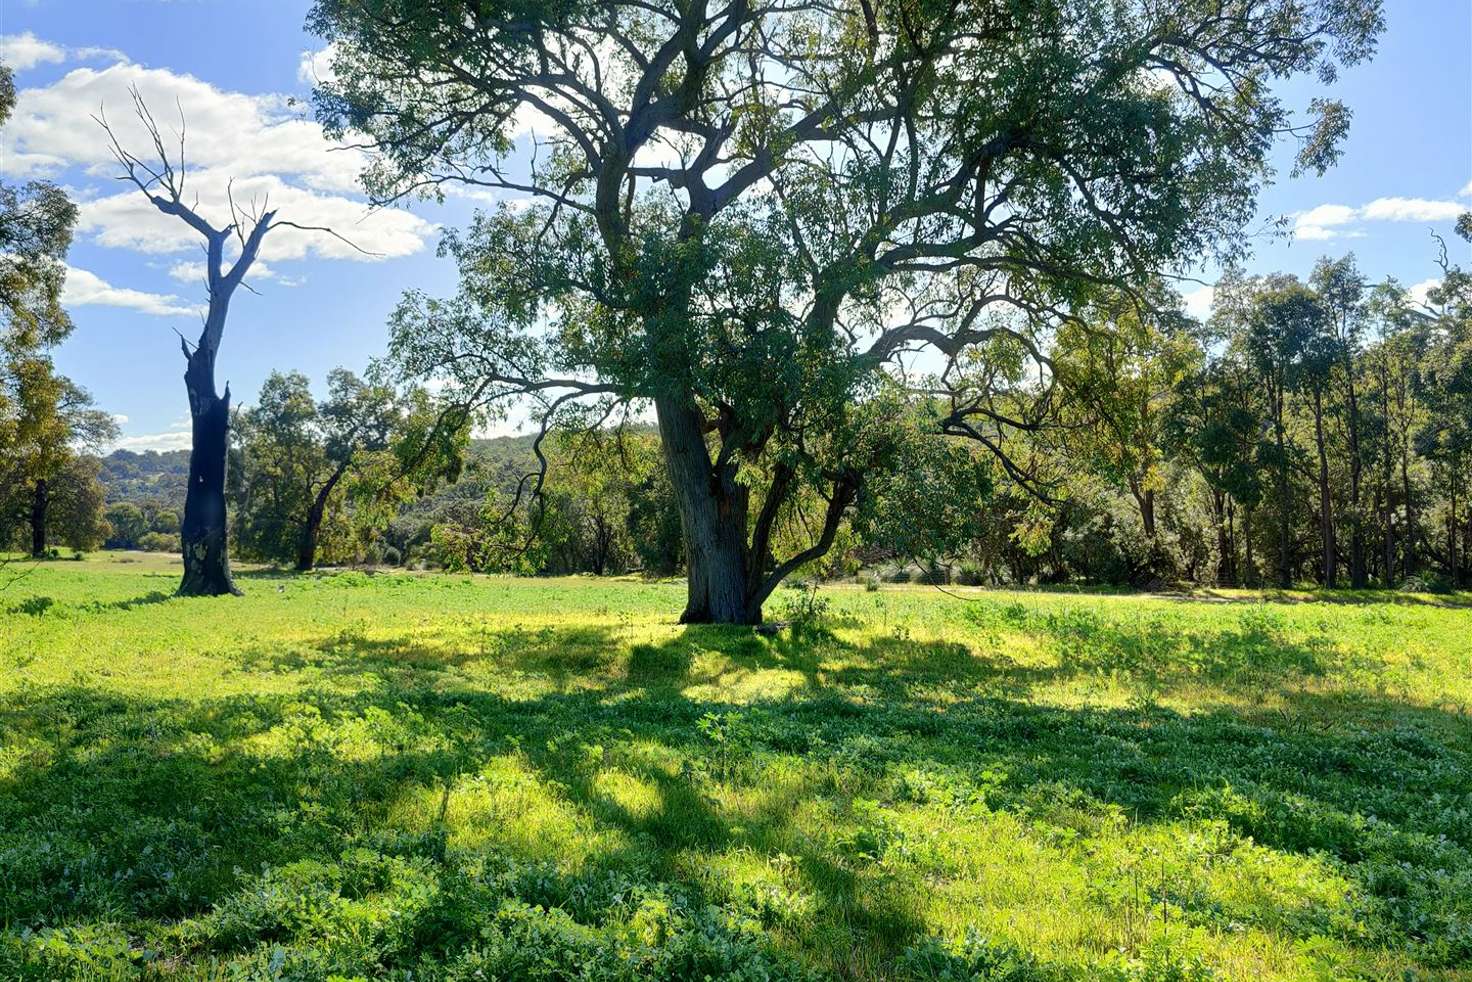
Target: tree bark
40 501
1357 577
306 557
713 510
1326 510
204 535
1285 569
1225 550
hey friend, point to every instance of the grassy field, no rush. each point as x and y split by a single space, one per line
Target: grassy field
427 776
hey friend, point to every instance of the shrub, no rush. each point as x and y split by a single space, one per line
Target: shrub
931 576
158 542
970 575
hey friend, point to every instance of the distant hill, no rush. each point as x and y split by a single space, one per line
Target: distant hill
163 478
150 476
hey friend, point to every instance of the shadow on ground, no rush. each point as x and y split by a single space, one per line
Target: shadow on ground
415 821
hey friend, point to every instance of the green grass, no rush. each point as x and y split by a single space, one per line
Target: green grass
428 776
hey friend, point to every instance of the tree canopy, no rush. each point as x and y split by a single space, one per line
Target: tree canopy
751 216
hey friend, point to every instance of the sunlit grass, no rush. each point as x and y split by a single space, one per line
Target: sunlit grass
424 776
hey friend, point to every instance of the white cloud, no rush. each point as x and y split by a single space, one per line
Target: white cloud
1466 192
1327 215
260 147
316 66
171 440
84 288
1411 210
179 436
23 51
1419 291
1320 222
1314 232
1198 301
119 418
1328 221
193 273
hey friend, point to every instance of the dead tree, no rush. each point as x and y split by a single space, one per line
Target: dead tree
204 535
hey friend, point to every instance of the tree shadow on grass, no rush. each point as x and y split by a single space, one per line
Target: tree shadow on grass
146 812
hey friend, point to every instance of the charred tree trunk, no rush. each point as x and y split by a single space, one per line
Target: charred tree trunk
40 501
306 556
204 535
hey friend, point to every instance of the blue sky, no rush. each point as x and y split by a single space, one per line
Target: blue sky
1407 169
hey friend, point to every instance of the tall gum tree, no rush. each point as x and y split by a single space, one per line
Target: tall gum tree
756 216
161 178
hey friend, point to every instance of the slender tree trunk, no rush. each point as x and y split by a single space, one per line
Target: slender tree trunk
204 533
40 501
1357 578
1451 533
1249 573
1224 548
1326 510
1285 569
306 556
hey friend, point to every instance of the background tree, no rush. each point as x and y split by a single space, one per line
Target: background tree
1119 372
46 420
1215 425
1280 322
298 460
748 216
1341 291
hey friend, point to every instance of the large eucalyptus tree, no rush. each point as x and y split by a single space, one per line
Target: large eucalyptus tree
755 215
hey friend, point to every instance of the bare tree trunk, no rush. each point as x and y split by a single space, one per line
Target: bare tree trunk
40 501
204 535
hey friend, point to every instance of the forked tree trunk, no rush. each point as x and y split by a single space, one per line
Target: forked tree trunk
713 514
40 501
204 535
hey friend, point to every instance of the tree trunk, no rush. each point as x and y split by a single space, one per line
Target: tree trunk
40 500
1249 572
1357 578
1451 533
1326 510
306 556
1224 549
204 534
713 511
1145 501
1285 569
